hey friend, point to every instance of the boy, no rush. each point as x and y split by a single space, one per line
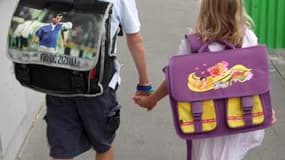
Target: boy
76 124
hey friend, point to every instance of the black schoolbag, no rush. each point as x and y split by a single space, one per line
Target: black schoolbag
62 47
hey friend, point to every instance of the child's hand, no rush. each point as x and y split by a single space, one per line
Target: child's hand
145 102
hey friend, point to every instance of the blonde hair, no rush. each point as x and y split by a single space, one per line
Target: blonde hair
222 19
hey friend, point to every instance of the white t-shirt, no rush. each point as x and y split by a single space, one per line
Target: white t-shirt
232 147
125 13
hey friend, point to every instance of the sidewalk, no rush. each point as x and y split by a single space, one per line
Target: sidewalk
274 145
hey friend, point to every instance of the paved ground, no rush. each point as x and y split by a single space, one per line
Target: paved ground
150 135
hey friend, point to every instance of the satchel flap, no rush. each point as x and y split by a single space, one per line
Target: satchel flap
214 75
66 39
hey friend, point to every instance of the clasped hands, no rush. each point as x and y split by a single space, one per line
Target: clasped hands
144 100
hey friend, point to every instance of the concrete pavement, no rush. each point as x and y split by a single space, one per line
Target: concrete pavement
151 135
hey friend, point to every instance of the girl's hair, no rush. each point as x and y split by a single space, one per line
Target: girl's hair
223 19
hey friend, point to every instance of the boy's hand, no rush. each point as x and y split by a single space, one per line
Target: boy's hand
145 101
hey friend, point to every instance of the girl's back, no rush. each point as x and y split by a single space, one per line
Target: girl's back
232 147
227 20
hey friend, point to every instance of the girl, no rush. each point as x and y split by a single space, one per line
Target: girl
218 19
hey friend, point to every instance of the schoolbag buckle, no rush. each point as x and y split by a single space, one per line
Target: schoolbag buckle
197 110
247 105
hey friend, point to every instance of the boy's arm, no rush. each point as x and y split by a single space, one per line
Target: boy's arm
136 47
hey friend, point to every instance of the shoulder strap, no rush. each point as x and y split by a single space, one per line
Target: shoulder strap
194 42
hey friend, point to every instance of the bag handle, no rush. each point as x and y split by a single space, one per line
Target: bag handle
205 46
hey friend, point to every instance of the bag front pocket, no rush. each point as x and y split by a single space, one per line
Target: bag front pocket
197 117
244 111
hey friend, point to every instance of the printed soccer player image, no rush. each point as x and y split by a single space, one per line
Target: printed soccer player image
47 35
37 33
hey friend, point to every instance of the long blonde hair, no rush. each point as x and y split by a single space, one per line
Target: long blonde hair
222 19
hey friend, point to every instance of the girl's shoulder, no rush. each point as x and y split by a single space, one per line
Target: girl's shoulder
249 39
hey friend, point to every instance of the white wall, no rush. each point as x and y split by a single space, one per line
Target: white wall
17 105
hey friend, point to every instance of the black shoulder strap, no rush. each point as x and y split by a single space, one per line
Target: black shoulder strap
119 32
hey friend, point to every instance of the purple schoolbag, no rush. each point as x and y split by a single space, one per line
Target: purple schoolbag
219 93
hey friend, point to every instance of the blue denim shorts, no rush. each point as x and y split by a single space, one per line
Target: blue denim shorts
75 124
